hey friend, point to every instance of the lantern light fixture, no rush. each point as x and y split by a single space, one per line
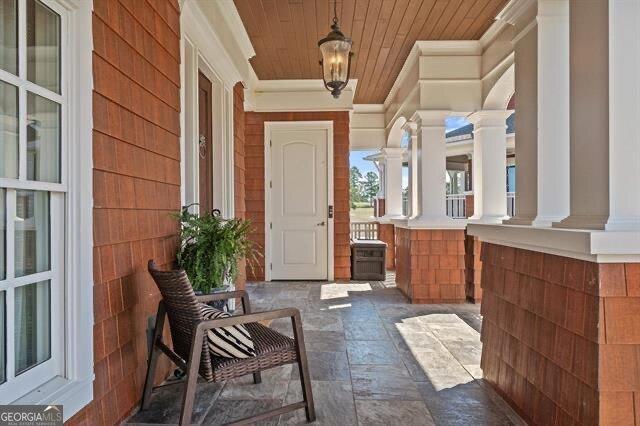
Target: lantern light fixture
336 58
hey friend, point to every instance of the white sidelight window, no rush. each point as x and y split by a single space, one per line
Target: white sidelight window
37 287
32 197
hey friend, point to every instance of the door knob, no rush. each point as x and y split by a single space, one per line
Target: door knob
320 224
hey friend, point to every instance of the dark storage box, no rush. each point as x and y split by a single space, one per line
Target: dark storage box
367 260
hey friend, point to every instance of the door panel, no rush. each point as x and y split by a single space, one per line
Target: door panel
299 204
205 144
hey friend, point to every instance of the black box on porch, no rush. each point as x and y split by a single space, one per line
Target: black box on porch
367 259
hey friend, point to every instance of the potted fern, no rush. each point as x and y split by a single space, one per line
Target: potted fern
211 248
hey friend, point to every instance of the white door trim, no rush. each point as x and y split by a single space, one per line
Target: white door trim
269 126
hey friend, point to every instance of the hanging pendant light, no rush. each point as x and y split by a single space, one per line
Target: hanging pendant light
336 58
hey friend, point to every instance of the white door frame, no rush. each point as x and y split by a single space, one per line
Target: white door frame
269 126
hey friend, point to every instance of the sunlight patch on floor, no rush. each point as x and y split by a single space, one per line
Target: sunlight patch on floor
338 291
429 339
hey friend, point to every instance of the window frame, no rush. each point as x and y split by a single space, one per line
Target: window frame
73 388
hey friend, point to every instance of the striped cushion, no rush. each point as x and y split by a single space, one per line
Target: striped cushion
227 342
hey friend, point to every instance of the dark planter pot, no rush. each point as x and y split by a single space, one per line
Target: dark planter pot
218 304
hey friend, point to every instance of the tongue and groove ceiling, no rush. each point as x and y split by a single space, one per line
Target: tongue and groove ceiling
285 33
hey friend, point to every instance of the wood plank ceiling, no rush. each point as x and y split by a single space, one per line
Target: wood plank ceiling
284 34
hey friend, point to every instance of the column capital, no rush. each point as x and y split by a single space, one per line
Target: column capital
430 118
490 118
410 127
549 9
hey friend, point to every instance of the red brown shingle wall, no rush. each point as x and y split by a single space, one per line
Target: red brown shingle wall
560 336
254 182
430 264
239 166
136 185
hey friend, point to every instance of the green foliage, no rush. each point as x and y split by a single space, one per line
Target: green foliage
211 247
355 184
370 186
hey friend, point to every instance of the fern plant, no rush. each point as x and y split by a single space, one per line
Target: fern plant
211 248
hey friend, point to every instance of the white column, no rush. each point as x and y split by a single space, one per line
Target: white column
590 31
526 85
393 183
411 128
490 166
432 165
553 112
624 112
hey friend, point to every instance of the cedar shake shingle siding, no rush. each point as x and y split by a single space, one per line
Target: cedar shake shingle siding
136 185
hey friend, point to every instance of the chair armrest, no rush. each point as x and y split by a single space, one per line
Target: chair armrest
224 295
292 313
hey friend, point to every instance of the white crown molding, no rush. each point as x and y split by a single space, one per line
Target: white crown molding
449 47
514 11
297 95
231 16
368 108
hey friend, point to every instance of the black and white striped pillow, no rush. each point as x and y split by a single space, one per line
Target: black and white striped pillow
227 342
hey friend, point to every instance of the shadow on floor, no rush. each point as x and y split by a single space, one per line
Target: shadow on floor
374 360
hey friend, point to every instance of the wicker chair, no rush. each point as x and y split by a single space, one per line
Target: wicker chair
190 352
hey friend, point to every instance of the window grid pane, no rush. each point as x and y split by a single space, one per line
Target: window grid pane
32 233
43 46
43 139
9 36
32 325
3 334
9 128
3 234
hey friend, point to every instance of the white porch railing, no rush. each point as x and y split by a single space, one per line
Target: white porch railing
364 230
511 204
457 206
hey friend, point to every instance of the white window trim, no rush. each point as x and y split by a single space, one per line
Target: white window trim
202 50
74 390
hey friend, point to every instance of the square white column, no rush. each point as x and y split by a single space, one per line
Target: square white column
432 168
393 183
412 158
624 112
489 166
553 112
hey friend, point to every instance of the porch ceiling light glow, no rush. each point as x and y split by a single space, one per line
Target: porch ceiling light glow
336 58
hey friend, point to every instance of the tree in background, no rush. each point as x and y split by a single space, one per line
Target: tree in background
355 186
370 186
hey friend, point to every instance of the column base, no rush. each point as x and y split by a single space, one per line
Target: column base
622 224
558 334
519 220
430 264
582 222
546 221
499 219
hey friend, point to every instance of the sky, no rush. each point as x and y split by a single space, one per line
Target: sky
356 157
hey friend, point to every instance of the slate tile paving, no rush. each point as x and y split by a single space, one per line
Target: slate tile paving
374 359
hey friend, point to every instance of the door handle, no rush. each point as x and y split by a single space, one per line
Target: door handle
320 224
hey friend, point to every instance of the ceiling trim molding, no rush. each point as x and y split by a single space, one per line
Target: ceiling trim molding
231 16
514 11
369 108
297 95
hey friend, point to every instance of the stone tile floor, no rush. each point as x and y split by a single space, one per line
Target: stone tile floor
374 360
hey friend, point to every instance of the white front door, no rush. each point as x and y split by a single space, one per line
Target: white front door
298 232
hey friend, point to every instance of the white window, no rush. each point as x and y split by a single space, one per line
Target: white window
35 199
